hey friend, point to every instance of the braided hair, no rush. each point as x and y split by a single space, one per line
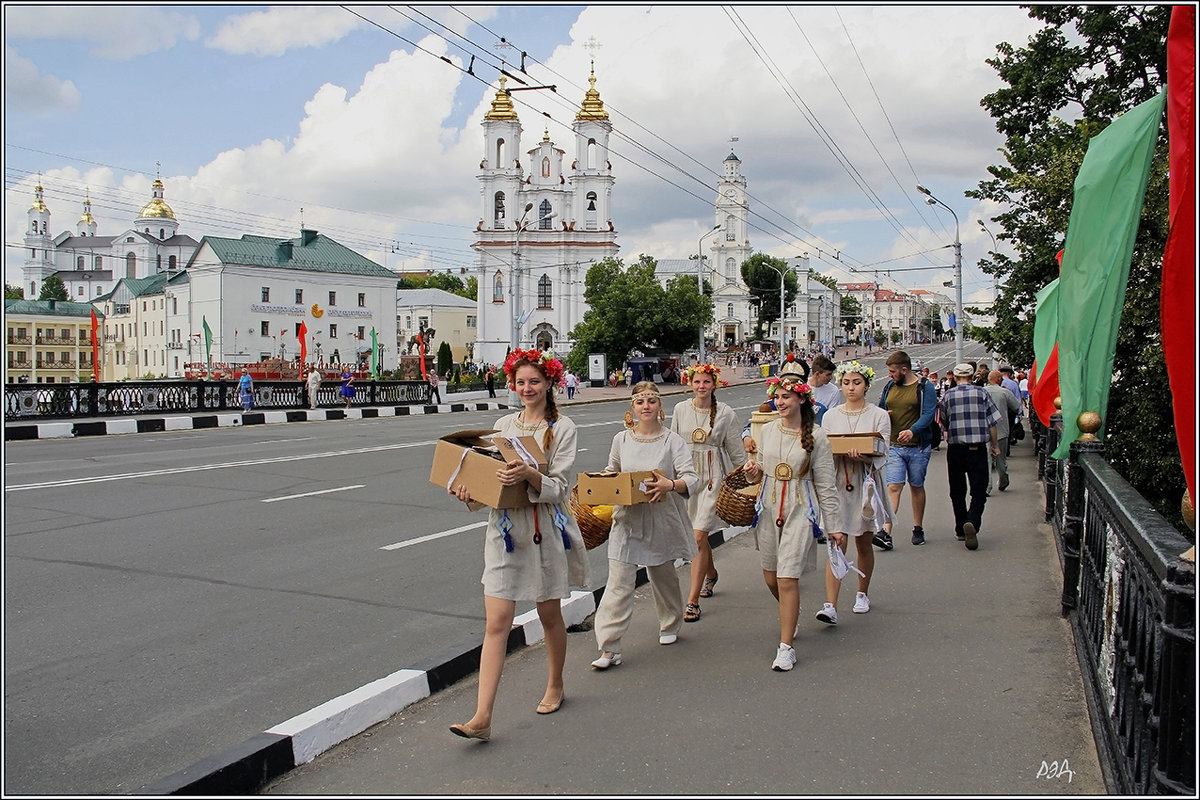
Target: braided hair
551 418
808 419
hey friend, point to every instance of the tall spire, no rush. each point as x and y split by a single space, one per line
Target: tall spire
39 203
593 106
502 107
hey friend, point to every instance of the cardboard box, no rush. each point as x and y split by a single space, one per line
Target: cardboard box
612 488
864 443
472 458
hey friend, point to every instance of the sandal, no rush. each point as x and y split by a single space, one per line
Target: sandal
691 612
709 584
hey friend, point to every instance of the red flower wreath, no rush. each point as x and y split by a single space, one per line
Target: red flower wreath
539 358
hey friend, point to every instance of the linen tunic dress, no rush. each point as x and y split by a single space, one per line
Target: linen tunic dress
851 520
652 533
791 547
722 444
549 570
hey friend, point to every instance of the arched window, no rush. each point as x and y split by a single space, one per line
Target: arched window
499 153
171 262
545 167
729 229
79 263
729 310
545 294
158 262
130 265
162 233
499 207
544 215
498 287
590 161
730 269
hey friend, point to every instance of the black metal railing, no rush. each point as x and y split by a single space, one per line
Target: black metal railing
1130 597
24 401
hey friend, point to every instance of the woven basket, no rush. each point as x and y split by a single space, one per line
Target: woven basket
734 508
595 530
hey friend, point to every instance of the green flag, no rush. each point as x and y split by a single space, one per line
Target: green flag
374 353
207 343
1109 191
1045 322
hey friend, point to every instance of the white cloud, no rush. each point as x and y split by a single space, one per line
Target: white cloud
116 32
28 90
281 28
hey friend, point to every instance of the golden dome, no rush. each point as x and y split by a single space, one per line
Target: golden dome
593 106
502 107
38 203
86 218
157 208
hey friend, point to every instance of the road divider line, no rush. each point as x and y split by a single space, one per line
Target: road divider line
433 536
311 494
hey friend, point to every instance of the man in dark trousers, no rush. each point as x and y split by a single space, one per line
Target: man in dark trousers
970 418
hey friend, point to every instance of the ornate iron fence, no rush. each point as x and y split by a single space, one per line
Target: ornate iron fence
1130 597
24 401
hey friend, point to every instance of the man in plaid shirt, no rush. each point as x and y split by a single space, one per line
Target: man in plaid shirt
969 417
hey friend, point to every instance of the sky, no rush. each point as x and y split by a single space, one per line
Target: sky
364 123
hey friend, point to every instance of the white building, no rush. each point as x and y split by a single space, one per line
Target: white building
90 265
539 230
453 318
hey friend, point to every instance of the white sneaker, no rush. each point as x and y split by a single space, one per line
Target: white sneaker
667 638
607 660
828 614
785 658
861 603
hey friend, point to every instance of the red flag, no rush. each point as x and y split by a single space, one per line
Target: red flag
421 352
1179 256
95 348
1043 392
302 335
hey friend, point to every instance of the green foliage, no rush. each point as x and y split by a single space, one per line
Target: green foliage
761 274
53 288
1089 64
629 310
824 280
445 358
441 280
13 292
851 313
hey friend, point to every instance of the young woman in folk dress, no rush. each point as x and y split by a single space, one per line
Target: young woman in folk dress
864 502
711 428
535 552
654 533
796 463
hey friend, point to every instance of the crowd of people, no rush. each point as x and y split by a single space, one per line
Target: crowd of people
814 485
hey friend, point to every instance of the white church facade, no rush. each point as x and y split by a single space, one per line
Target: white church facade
542 225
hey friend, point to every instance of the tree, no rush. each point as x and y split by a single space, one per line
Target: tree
1077 74
761 274
851 314
13 292
441 280
629 310
53 288
445 358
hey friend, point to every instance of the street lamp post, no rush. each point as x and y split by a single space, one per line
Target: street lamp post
700 278
958 301
782 274
995 285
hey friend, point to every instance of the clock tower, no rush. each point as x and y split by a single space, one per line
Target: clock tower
731 246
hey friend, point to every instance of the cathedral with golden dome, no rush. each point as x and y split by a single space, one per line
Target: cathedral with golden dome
89 264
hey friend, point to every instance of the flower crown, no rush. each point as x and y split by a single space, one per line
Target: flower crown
799 388
698 369
852 366
543 359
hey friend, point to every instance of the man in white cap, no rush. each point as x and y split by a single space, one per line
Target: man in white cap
970 418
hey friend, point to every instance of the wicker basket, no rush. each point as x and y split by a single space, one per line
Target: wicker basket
735 508
595 530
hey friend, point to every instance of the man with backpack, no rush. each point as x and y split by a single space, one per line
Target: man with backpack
911 402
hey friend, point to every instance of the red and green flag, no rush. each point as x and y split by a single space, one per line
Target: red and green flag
1179 256
1109 190
95 348
207 343
1044 373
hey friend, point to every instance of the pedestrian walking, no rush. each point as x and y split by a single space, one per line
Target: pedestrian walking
348 389
246 390
712 432
970 419
1009 406
798 489
435 393
490 382
911 403
534 553
572 382
654 533
314 387
863 505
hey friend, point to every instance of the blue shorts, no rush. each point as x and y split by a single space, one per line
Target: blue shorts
907 464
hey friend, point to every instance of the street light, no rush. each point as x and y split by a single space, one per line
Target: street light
781 273
700 278
995 287
958 301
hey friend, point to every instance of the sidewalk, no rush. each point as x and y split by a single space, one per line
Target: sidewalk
962 679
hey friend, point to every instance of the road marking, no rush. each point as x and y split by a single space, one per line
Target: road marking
433 536
311 494
205 467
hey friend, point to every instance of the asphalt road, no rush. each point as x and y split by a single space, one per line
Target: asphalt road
169 595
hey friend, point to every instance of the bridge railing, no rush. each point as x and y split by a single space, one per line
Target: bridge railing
1130 597
48 401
